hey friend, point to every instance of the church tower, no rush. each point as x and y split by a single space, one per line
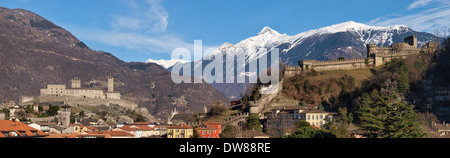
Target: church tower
64 115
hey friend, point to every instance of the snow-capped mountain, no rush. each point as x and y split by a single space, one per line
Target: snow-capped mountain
167 63
348 39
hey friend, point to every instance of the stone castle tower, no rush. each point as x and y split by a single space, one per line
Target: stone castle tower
64 115
411 40
76 83
110 84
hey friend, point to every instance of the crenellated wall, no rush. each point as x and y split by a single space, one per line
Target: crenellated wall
376 56
345 64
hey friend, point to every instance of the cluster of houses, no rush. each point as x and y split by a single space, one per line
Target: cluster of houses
279 119
15 129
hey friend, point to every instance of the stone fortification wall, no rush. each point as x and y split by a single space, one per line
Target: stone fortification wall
376 56
74 101
290 71
345 64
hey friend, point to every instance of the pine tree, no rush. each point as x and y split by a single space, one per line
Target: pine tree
403 83
252 123
381 117
371 120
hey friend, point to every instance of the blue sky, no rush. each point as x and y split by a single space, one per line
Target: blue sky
136 30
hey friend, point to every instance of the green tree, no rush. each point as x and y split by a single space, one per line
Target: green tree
339 126
81 114
252 123
140 118
310 132
320 107
217 109
229 131
383 117
40 109
300 124
53 110
366 61
29 109
256 93
195 134
403 83
6 111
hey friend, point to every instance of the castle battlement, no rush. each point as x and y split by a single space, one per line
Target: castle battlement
337 61
376 56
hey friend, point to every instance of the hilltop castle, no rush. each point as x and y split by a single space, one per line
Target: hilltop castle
60 90
376 56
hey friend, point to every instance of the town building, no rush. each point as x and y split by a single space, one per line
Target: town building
77 135
209 130
143 129
15 129
180 131
115 134
283 118
43 126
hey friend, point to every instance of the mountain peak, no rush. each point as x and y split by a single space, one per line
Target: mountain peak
167 63
268 30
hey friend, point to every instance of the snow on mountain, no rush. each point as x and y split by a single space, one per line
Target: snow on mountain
256 46
348 40
167 63
267 39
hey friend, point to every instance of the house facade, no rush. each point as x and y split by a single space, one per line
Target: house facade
180 131
209 130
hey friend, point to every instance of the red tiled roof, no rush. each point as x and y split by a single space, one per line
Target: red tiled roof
207 128
137 127
75 135
21 129
180 126
130 128
141 123
113 133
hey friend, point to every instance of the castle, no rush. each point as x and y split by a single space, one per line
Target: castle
376 56
60 90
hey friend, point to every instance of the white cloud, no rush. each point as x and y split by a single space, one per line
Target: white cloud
141 28
435 14
148 15
419 3
140 43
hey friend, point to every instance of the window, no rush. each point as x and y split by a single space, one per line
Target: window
13 134
23 133
6 134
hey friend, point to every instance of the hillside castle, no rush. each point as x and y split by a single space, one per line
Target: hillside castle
60 90
376 56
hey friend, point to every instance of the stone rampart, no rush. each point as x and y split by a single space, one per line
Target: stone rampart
74 101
